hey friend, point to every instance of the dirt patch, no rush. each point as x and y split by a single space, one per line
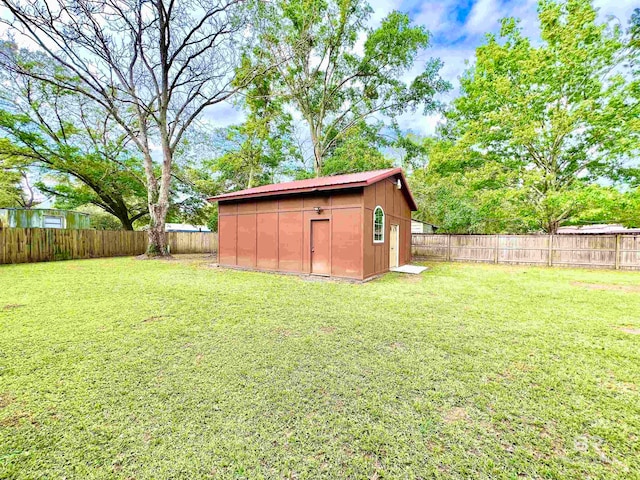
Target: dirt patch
13 306
6 400
630 330
407 278
456 414
327 330
155 318
199 358
17 418
606 286
144 256
283 332
185 258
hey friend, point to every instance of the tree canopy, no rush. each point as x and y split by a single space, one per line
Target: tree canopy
77 149
543 132
153 67
540 134
331 86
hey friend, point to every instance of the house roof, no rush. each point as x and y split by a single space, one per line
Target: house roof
336 182
185 227
425 223
613 228
37 209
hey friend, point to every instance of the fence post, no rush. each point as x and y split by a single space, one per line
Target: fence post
495 252
618 252
448 247
550 251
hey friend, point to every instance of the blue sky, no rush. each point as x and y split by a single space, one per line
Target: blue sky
458 27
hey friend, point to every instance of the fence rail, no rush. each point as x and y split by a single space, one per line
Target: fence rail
595 251
27 245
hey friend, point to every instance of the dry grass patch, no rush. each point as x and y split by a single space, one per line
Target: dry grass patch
17 419
608 287
13 306
456 414
6 400
630 330
155 318
327 330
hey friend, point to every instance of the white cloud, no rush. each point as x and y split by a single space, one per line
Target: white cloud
621 9
484 16
222 115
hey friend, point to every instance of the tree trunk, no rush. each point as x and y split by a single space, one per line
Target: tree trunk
119 211
317 160
158 210
317 150
157 246
158 201
126 222
552 226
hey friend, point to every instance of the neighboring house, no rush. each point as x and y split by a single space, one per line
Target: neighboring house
43 218
185 227
418 226
601 229
353 226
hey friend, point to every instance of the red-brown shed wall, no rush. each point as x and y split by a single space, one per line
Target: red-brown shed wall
275 233
397 211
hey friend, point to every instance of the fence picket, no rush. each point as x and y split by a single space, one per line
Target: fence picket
24 245
595 251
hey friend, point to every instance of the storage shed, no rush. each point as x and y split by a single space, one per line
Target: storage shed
352 226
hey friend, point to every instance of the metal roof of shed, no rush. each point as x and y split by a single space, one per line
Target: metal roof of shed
350 180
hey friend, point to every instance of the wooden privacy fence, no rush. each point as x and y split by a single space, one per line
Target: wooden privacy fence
25 245
595 251
192 242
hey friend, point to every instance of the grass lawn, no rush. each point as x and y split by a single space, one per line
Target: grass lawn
122 368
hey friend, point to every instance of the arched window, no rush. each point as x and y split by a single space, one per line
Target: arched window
378 225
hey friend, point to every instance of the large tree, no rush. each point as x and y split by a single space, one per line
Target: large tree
153 66
71 142
322 76
461 191
254 152
548 123
358 149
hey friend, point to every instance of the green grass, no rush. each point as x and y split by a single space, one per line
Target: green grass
122 368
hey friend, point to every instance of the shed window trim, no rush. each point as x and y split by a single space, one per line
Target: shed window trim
55 220
378 225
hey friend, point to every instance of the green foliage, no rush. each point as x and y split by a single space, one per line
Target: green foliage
212 222
99 219
538 129
80 153
627 210
311 43
251 154
358 150
183 371
15 188
10 188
